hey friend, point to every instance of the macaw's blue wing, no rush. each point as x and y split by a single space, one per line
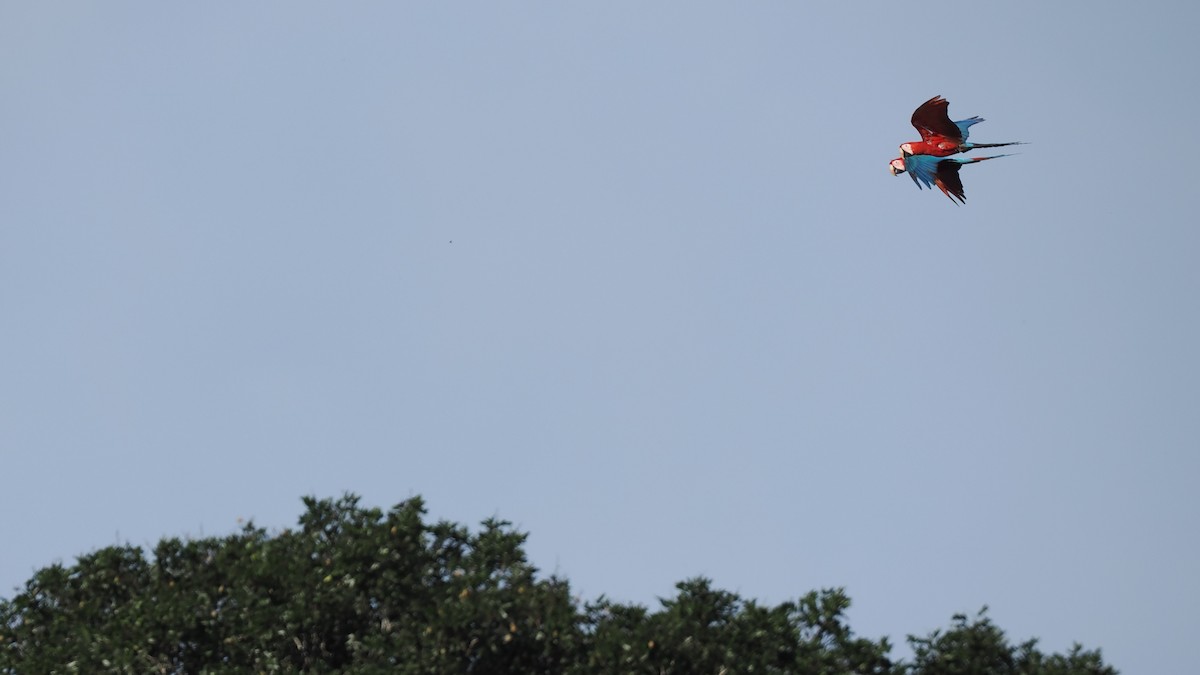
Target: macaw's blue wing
928 171
963 125
922 169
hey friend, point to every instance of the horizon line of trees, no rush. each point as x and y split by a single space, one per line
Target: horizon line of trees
360 590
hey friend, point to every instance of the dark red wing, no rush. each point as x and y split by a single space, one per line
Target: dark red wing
932 118
947 179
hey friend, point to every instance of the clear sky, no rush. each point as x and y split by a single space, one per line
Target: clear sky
632 275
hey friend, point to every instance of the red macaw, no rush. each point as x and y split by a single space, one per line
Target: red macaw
932 170
939 136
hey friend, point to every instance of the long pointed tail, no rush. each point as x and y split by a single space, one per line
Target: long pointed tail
972 160
972 146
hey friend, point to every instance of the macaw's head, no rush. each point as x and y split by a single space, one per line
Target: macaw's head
906 149
897 166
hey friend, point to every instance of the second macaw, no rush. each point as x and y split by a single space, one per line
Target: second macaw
939 136
931 170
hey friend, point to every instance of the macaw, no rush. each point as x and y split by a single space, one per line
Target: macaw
939 136
932 170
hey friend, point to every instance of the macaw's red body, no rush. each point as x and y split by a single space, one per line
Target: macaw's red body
941 137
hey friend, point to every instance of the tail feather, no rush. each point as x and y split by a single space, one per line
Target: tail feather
972 146
972 160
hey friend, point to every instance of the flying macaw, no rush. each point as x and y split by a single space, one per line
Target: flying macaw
932 170
939 136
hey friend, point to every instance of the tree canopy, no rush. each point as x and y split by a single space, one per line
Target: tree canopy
359 590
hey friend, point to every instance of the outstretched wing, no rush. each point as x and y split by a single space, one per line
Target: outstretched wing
948 180
932 118
965 125
923 169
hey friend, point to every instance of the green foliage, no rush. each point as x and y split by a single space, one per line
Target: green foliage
980 648
703 630
357 590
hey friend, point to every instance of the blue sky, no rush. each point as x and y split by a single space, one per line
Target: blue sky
633 276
